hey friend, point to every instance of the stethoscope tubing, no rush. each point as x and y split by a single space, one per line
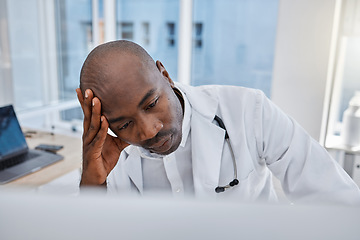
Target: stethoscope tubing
235 181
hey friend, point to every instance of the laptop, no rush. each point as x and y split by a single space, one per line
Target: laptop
16 159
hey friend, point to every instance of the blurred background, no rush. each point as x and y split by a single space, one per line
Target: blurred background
304 54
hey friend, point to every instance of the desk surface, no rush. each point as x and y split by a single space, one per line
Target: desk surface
71 152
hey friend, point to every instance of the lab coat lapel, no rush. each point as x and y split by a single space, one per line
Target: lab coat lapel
207 141
134 169
207 144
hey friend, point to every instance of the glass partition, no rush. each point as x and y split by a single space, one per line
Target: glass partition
26 51
154 25
234 42
74 35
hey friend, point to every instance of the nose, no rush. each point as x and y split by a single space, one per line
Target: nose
149 127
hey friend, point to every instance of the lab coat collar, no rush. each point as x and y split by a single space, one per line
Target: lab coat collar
201 102
186 119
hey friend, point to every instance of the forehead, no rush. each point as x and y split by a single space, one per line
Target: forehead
125 86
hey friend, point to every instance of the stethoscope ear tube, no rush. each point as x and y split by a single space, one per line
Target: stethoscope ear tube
235 181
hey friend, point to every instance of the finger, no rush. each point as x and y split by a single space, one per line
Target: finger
80 97
87 109
100 138
95 121
81 101
103 136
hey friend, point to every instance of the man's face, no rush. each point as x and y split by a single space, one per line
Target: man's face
141 106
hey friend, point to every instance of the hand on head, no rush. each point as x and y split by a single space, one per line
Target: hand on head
100 150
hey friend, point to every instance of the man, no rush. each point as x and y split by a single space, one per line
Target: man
170 138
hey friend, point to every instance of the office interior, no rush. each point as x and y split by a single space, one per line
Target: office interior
307 66
302 54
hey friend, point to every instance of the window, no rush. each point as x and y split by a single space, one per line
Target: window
48 41
346 77
198 35
237 45
146 33
26 56
74 41
87 33
170 34
127 30
228 39
153 27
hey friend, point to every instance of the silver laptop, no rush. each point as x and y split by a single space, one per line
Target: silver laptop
16 159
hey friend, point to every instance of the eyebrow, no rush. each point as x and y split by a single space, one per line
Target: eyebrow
143 100
147 95
116 119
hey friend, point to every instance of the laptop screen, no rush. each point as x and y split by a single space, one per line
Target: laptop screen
12 139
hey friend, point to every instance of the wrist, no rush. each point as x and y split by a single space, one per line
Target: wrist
87 180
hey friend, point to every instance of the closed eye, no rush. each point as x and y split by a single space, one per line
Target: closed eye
153 104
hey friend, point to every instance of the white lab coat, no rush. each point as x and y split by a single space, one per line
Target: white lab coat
265 142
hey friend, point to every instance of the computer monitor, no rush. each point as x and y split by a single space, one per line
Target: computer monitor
34 216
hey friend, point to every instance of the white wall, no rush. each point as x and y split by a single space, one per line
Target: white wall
302 59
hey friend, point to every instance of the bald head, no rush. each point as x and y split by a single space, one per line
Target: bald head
118 71
102 60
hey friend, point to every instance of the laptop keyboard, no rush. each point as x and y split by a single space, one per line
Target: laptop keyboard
16 160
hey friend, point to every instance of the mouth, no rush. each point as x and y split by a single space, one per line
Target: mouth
162 146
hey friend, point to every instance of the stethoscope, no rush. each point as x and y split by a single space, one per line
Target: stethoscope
234 182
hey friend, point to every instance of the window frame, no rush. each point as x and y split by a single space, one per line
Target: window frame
331 124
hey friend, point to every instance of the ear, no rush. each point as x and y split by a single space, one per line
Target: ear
164 73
